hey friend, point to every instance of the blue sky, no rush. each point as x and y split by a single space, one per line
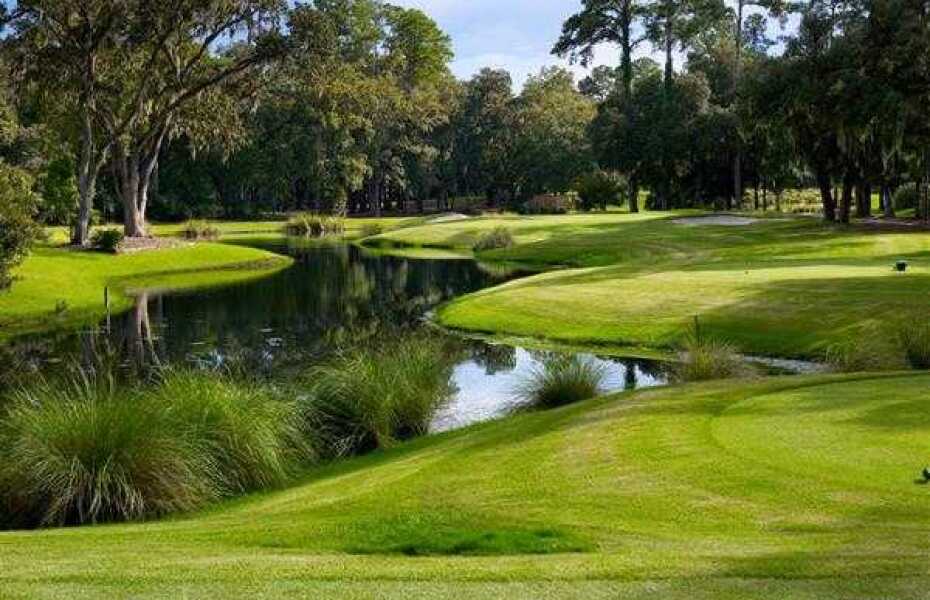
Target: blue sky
513 34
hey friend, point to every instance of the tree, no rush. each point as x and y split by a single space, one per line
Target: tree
132 70
610 21
18 229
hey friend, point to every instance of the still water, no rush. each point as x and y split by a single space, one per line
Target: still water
333 297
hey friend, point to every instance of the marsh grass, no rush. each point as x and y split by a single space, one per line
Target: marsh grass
198 229
704 358
372 398
874 348
499 237
915 342
561 379
86 450
315 225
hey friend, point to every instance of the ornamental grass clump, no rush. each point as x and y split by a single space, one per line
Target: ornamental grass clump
198 229
85 450
562 379
915 341
373 398
315 225
704 358
254 438
497 238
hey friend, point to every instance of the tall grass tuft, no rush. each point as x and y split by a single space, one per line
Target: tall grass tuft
560 380
915 341
198 229
373 398
83 450
499 237
80 451
308 224
704 358
254 439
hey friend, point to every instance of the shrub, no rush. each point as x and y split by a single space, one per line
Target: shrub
560 380
315 225
499 237
906 197
196 229
703 358
107 240
548 205
915 341
18 229
598 189
372 398
83 450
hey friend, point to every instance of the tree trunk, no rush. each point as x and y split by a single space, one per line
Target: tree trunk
826 196
88 170
738 158
846 199
864 200
634 195
888 208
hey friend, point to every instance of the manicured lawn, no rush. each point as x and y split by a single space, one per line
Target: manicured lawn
54 274
788 287
791 487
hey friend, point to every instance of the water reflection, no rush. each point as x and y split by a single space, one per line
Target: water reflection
334 297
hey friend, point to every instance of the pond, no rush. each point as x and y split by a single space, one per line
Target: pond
333 297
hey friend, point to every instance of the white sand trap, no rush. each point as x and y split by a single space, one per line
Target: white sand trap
724 220
449 218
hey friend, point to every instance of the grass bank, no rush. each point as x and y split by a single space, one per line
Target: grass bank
61 288
788 287
707 491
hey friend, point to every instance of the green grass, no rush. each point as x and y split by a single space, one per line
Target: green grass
788 487
789 287
51 275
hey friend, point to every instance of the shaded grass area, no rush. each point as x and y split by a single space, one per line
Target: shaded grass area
62 288
788 287
787 487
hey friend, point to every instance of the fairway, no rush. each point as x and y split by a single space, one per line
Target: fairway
802 487
785 287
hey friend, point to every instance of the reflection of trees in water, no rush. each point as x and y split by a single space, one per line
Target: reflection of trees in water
333 297
494 358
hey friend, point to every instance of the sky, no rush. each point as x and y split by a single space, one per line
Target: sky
516 35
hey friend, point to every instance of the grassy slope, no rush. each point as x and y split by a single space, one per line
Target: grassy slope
781 287
716 491
51 274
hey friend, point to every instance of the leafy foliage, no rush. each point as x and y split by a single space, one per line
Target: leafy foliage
18 229
107 240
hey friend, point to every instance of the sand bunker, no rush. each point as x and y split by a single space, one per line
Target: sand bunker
724 220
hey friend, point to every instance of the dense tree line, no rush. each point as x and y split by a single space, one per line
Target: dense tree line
237 108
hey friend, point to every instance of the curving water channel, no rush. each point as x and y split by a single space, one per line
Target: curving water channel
333 296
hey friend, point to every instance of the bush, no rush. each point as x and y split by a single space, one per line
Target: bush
199 230
548 205
107 240
598 189
560 380
372 398
703 358
18 229
906 197
499 237
314 225
84 451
